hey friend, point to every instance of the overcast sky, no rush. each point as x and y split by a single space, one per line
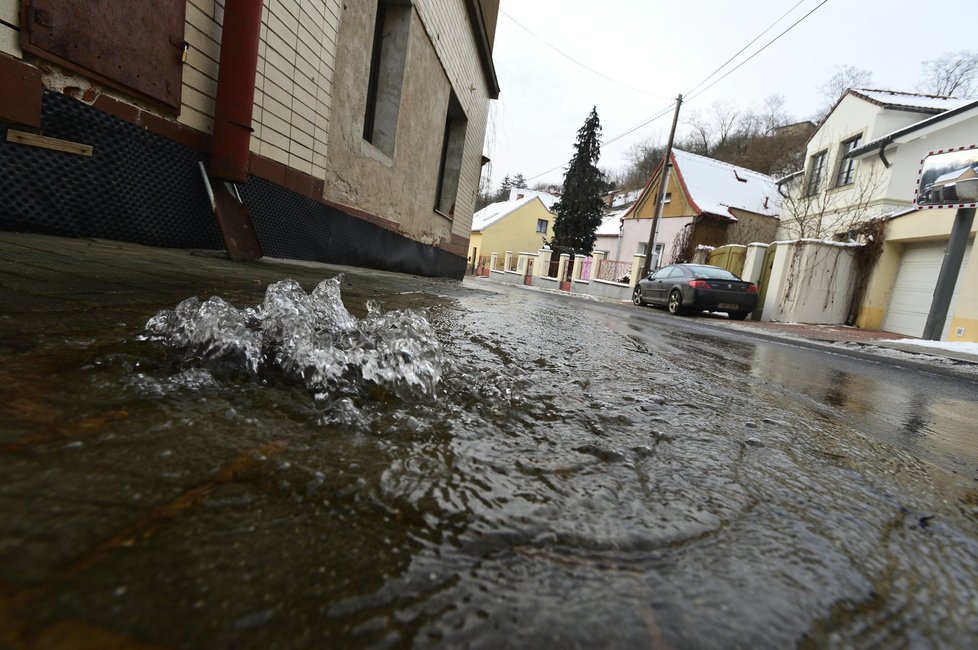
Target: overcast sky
645 52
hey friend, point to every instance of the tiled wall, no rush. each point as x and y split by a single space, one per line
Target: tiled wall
295 71
9 30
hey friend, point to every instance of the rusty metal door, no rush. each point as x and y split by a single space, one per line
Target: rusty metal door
133 46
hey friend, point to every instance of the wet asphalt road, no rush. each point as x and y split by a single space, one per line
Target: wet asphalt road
932 415
582 474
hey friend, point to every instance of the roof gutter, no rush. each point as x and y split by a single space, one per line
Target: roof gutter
484 46
882 153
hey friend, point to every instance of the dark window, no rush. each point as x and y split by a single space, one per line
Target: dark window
542 226
816 172
387 59
847 166
450 167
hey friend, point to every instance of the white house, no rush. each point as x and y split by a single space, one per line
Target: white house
863 164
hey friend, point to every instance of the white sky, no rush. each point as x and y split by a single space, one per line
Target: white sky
667 47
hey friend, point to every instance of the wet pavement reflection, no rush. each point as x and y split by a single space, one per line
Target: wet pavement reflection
571 479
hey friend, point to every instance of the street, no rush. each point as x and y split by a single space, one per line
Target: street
927 414
457 464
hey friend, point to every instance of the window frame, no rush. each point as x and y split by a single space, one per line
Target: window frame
385 82
546 224
450 162
816 172
846 172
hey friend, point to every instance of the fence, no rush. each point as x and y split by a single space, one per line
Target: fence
614 271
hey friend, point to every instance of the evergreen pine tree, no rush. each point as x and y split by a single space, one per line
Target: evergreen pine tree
518 181
580 207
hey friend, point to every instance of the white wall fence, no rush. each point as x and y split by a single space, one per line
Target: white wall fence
533 269
809 281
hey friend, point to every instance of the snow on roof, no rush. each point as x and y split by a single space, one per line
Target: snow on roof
611 224
626 198
965 110
717 186
547 198
496 211
910 101
950 176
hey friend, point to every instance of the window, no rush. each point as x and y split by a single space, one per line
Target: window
817 172
667 197
450 167
847 166
386 73
542 226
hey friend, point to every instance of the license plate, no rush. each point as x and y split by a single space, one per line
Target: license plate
727 305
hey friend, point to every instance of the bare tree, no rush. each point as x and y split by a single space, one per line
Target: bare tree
951 74
844 78
827 213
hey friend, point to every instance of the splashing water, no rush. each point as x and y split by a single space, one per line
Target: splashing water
307 338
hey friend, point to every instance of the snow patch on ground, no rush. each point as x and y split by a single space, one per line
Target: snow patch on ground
964 347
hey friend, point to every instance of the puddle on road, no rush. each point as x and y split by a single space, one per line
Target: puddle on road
495 470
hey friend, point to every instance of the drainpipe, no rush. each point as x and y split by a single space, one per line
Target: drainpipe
236 90
882 153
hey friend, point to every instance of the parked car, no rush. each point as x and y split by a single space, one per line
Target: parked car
697 287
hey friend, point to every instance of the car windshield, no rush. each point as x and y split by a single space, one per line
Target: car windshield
712 272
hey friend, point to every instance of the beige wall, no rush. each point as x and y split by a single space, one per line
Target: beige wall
401 187
920 226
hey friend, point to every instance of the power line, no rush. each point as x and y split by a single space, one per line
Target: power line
663 112
741 50
576 62
766 45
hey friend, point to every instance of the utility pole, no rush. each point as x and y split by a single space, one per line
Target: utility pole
661 192
953 255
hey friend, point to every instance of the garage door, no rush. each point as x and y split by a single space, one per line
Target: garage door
913 290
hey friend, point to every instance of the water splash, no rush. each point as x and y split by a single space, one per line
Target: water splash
307 338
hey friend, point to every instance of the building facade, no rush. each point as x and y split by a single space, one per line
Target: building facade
863 165
706 203
363 147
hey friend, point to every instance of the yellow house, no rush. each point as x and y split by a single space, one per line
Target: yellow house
706 202
519 225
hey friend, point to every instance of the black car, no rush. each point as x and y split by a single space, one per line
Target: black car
689 287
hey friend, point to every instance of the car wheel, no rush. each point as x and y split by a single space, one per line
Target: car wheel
675 302
738 315
637 296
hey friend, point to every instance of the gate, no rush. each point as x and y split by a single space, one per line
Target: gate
764 281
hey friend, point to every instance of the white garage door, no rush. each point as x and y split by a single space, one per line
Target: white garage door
913 290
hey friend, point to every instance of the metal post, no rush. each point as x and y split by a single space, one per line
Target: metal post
661 191
953 255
